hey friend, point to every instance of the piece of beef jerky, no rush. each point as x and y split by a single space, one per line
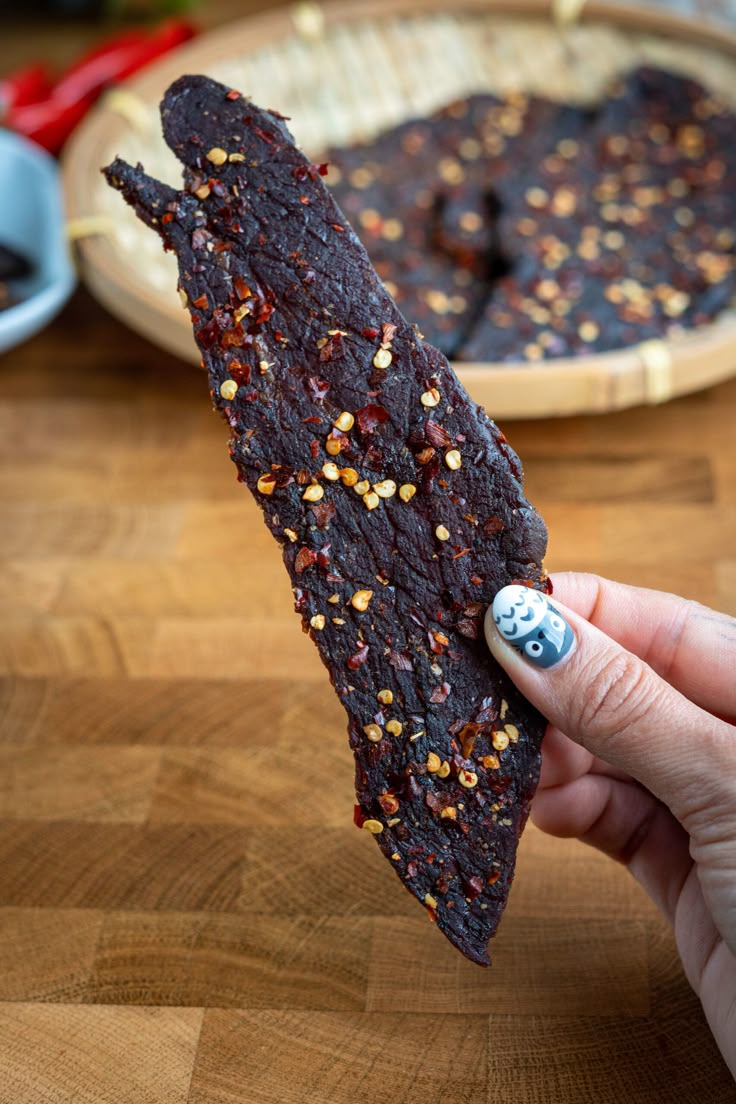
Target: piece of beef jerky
396 500
622 215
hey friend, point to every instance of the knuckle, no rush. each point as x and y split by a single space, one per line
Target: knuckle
614 695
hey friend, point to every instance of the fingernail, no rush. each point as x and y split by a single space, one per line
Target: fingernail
532 626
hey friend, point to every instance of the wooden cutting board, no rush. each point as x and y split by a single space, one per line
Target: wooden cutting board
186 911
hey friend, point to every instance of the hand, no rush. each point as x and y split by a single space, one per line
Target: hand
639 758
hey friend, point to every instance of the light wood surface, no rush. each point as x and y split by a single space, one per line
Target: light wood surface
336 77
186 912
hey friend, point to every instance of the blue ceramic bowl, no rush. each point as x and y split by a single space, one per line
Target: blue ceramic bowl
32 222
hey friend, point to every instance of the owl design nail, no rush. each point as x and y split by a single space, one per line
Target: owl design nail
536 629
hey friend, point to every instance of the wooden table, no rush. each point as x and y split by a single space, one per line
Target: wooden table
186 912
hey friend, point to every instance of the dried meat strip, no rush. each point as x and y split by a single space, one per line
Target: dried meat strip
397 502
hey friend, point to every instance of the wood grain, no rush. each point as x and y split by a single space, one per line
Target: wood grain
349 1058
187 914
83 1055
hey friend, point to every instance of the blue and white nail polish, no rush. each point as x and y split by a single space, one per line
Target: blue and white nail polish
536 629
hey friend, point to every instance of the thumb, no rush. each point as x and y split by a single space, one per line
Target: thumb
609 700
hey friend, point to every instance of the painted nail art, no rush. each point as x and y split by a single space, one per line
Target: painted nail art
525 618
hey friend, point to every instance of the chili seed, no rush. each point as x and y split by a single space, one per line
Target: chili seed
373 826
467 778
344 421
382 358
442 533
453 459
394 727
385 697
433 762
313 493
362 487
330 471
349 476
361 600
385 489
371 500
431 397
373 732
429 900
500 741
318 621
228 389
444 769
266 484
407 492
217 156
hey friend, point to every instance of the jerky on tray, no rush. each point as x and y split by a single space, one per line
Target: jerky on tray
397 502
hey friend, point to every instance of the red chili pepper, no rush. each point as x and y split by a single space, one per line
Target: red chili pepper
50 121
119 58
27 85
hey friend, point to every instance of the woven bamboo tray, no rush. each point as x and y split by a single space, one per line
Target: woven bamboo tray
346 70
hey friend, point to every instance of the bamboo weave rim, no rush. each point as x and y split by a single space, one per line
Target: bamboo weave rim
350 68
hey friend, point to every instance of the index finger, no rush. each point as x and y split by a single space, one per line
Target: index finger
691 647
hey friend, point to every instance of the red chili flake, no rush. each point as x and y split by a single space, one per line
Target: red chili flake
468 735
167 218
240 372
425 455
437 435
473 609
333 349
493 877
317 388
303 477
434 644
208 335
233 94
359 817
304 199
314 448
323 168
242 288
388 329
370 416
305 558
463 552
473 887
201 301
313 420
411 870
440 694
323 556
432 801
468 629
488 711
221 247
493 525
336 226
265 135
476 580
547 585
235 336
522 582
264 312
357 659
369 333
400 662
200 237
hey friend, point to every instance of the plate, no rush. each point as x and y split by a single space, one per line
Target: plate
32 223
